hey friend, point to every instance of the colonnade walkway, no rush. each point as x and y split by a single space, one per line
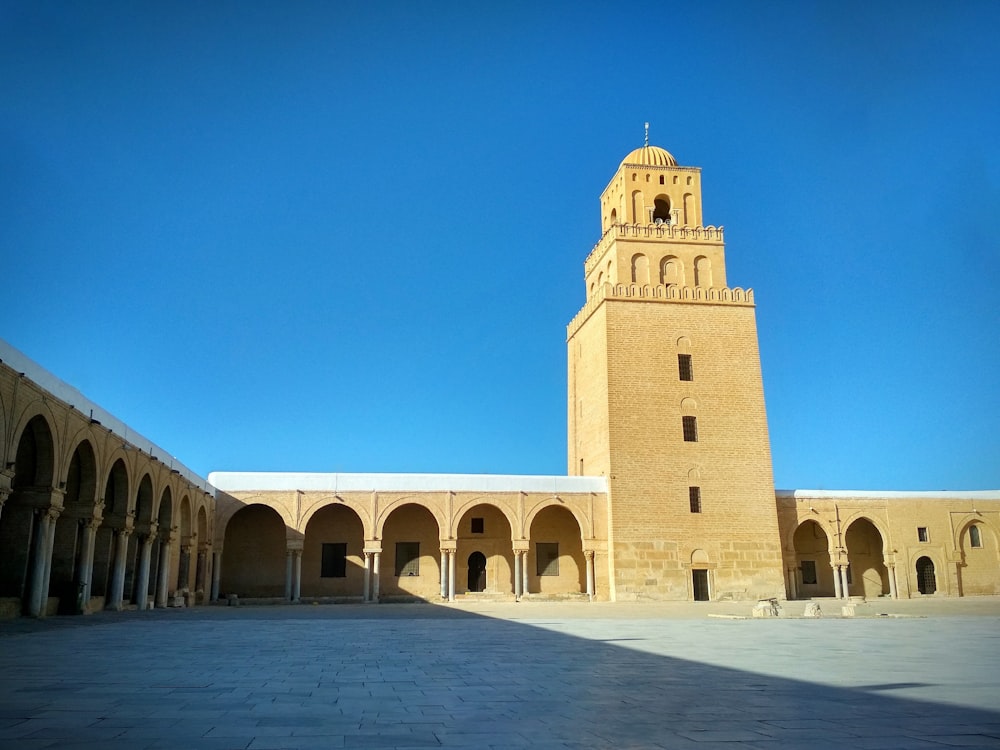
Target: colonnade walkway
504 675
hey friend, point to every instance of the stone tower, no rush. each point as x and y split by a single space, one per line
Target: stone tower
666 397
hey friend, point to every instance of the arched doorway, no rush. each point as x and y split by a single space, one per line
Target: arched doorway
254 553
868 575
926 580
333 562
812 561
409 564
106 541
555 560
485 529
477 572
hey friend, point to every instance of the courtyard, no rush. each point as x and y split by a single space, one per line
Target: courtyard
902 674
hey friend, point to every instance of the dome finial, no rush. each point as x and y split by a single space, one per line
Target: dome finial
647 135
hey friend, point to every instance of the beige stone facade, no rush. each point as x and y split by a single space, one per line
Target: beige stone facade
669 491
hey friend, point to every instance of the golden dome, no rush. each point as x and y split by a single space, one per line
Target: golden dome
650 156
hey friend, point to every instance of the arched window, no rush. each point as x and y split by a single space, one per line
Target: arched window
702 271
671 271
640 269
975 537
614 216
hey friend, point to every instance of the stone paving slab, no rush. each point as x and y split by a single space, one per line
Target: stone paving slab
503 675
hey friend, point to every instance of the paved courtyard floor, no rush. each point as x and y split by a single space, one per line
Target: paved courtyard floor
504 675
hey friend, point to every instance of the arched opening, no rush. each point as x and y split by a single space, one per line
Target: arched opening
255 550
672 271
978 546
67 575
638 208
477 572
640 269
162 559
115 508
926 580
410 563
702 271
868 576
138 538
333 558
200 545
614 216
20 522
688 209
812 561
484 528
555 558
661 210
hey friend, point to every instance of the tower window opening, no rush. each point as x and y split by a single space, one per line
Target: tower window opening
690 425
975 538
478 526
661 179
694 497
684 368
922 535
661 210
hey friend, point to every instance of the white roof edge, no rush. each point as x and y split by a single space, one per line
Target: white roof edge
231 481
890 494
20 362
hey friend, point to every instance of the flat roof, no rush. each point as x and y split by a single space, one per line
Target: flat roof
235 481
889 494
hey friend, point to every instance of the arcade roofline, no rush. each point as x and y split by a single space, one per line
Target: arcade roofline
233 481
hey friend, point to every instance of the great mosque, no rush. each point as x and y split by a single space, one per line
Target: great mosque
669 490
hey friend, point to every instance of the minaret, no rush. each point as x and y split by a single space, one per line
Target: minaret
666 397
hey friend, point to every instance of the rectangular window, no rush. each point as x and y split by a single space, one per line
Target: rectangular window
809 572
694 496
547 558
478 526
922 535
334 560
407 559
684 367
690 429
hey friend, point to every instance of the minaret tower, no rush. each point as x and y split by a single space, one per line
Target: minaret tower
666 397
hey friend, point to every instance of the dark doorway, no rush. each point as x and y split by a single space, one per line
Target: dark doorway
477 572
700 580
926 581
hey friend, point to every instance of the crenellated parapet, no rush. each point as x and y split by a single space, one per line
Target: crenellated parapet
660 293
665 232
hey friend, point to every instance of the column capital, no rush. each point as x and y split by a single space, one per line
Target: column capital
53 513
589 554
93 522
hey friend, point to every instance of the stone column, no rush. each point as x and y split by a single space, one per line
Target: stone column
793 581
163 571
42 562
451 575
444 573
142 585
87 563
366 595
288 575
184 567
846 587
891 569
118 575
216 575
524 574
50 545
297 576
199 571
517 575
836 582
376 563
589 554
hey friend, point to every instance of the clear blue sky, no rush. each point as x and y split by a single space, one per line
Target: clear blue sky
349 236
